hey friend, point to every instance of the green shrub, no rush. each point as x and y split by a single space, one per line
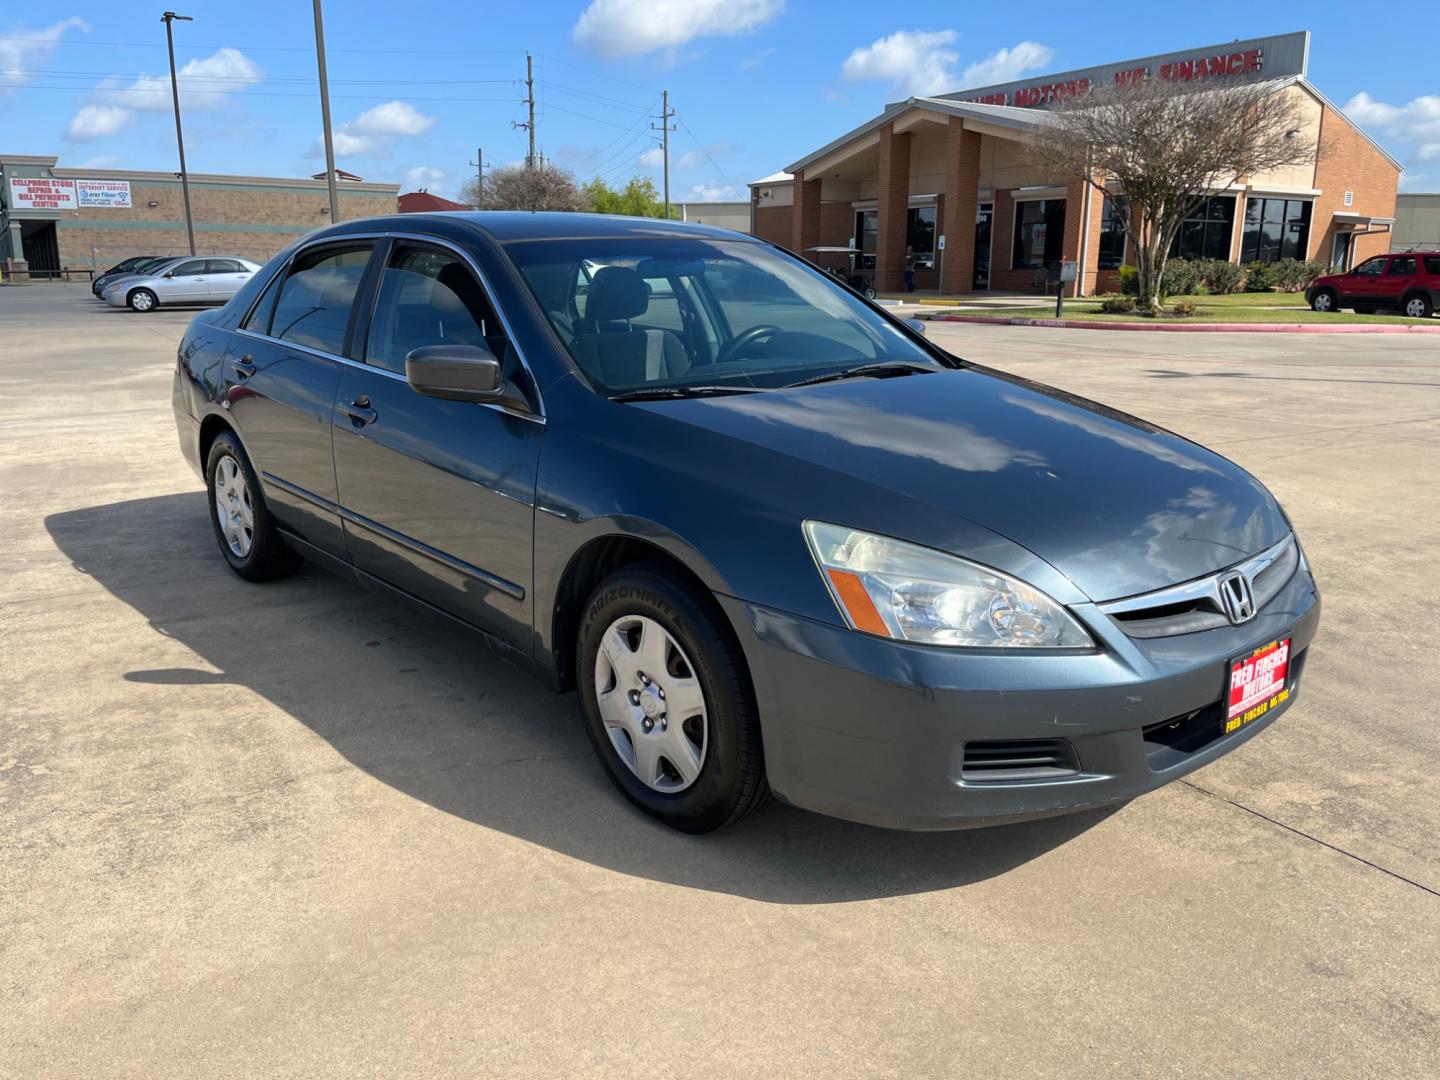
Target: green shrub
1184 308
1201 289
1129 280
1260 277
1220 276
1179 279
1292 275
1117 305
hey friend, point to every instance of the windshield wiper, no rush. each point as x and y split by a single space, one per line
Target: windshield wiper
662 393
879 370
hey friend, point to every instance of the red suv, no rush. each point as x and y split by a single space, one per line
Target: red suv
1408 280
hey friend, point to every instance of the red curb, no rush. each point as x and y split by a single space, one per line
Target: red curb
1199 328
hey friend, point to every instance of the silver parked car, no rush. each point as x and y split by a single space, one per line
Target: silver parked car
182 281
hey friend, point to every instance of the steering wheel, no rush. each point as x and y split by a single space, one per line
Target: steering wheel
732 348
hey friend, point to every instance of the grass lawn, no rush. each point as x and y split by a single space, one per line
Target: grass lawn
1205 312
1229 300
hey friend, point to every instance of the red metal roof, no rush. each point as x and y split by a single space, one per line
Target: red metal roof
422 202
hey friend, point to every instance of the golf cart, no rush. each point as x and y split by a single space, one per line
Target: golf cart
850 275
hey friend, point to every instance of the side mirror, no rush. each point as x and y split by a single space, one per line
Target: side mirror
169 273
455 372
916 325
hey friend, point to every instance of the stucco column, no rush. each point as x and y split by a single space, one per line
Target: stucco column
18 265
805 220
893 202
962 201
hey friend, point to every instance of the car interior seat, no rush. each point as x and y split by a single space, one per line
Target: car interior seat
609 348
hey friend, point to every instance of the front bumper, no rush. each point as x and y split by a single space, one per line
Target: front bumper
876 731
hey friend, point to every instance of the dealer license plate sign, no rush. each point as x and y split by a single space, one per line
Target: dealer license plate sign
1257 684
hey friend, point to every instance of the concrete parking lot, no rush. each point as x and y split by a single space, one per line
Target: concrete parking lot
296 830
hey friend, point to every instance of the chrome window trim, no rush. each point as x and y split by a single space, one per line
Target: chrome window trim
1206 588
539 418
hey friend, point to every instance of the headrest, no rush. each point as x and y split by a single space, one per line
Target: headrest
616 292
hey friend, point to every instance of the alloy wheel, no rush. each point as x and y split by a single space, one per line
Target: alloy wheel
1415 308
651 703
233 508
1322 302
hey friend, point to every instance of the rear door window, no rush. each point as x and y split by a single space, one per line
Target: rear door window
1402 264
313 307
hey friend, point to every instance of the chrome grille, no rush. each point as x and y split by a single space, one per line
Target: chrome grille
1197 605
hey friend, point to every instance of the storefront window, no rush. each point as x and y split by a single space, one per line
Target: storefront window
920 234
1112 233
1275 229
1039 233
1205 233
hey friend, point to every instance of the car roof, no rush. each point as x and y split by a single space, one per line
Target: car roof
509 226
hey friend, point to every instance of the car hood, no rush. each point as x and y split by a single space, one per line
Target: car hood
1117 505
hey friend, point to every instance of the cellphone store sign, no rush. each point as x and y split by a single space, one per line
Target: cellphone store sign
39 193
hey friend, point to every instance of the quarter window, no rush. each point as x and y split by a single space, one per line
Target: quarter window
313 307
1432 264
428 296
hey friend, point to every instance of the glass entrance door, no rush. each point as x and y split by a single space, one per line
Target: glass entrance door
982 246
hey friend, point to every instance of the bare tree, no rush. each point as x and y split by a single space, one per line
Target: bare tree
1168 146
514 187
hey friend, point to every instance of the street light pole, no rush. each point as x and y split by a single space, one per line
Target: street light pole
168 18
325 114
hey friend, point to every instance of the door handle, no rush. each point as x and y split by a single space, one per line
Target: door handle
244 367
359 411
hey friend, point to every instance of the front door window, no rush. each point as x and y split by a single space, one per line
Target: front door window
982 245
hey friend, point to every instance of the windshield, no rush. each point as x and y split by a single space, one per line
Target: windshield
674 313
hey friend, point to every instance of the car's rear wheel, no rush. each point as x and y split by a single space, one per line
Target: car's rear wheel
667 701
1324 300
244 529
142 300
1417 306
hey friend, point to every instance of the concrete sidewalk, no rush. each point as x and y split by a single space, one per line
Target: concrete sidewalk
294 830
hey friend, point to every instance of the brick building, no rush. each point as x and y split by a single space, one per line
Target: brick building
53 218
947 178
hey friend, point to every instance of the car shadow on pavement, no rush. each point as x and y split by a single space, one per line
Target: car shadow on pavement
432 714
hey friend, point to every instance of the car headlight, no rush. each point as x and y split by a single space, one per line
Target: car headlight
904 591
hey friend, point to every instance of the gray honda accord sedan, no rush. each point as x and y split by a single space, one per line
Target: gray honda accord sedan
777 540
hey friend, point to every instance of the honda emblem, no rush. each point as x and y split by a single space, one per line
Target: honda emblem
1238 598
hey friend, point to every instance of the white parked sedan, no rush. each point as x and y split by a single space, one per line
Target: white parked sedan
183 281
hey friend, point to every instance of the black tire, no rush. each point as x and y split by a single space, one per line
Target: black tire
1324 300
731 783
267 558
147 301
1416 306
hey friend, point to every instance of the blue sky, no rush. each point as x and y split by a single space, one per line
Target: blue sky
755 83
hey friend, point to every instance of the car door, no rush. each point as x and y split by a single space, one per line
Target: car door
1400 275
281 373
186 282
1364 284
438 496
226 278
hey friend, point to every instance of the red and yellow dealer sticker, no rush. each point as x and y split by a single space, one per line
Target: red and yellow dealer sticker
1257 684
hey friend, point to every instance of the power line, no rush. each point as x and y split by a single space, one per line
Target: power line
703 150
265 48
51 74
252 93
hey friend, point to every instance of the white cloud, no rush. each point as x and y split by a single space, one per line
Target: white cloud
1414 126
1004 65
205 83
618 28
653 158
914 62
750 63
715 192
24 49
375 128
425 176
97 121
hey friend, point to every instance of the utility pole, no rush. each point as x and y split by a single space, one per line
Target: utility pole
529 125
479 164
325 114
664 127
168 18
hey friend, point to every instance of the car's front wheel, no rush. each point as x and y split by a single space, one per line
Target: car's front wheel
667 701
244 529
142 300
1324 300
